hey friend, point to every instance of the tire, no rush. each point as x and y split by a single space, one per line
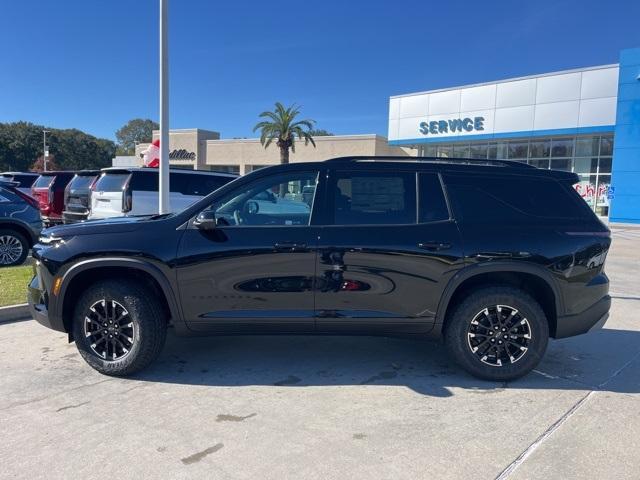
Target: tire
140 331
516 355
14 248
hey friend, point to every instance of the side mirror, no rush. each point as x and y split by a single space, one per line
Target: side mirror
206 220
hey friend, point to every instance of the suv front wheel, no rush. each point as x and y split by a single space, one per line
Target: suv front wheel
497 333
119 327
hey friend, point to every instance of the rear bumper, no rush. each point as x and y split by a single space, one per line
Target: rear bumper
73 217
592 318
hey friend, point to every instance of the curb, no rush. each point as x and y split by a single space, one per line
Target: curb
13 313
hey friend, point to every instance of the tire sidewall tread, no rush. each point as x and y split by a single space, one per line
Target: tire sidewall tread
149 321
23 241
455 334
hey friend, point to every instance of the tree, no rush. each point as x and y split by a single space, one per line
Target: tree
134 131
320 132
38 165
282 127
21 146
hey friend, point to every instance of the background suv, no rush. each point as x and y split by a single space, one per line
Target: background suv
493 256
48 190
134 191
77 196
20 223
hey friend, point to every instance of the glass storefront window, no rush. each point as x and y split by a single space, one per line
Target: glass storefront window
606 146
561 164
540 162
585 165
518 150
430 151
539 148
604 165
502 150
587 146
562 147
478 150
461 151
492 151
444 151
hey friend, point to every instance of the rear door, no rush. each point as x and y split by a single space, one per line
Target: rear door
388 252
107 198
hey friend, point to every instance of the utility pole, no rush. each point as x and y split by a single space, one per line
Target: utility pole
163 168
45 151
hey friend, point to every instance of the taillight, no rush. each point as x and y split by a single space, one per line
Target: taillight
67 193
127 196
30 200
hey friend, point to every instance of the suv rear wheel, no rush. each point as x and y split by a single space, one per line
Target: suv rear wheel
14 248
497 333
119 327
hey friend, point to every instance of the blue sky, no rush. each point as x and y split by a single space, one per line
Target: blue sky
92 64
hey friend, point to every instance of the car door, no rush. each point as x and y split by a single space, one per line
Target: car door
255 269
388 252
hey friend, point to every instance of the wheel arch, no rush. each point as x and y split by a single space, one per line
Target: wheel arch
20 228
533 279
88 272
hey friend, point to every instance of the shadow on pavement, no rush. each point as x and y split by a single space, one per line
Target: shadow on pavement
588 362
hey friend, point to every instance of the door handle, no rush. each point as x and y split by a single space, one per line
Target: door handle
290 246
434 246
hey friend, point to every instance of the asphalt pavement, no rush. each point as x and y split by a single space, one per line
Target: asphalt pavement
327 407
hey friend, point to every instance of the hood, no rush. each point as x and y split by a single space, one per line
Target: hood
93 227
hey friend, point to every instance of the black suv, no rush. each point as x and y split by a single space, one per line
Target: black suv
494 256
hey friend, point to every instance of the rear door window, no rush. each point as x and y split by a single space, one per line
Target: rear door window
374 198
202 185
144 181
112 182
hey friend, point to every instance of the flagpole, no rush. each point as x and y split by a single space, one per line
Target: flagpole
163 168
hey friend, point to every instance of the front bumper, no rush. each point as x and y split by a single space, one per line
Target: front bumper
592 318
39 303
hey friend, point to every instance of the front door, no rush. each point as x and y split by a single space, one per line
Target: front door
255 270
388 253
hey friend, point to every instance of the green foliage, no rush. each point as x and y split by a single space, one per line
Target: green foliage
281 126
21 147
138 130
320 132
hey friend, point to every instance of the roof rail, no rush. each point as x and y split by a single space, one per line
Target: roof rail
462 161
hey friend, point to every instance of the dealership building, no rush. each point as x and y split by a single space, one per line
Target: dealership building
585 120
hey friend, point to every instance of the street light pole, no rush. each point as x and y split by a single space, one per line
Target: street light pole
45 154
163 168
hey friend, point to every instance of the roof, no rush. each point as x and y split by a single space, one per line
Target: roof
172 170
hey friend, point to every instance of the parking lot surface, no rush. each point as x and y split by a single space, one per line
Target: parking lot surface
327 407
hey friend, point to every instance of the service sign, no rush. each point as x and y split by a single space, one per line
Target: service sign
467 124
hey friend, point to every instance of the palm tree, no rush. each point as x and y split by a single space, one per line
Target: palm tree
282 127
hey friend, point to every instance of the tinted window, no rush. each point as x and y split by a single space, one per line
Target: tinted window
433 206
511 198
81 181
43 181
111 182
366 198
276 200
204 184
25 180
145 181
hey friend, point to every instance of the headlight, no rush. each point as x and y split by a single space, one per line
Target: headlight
51 240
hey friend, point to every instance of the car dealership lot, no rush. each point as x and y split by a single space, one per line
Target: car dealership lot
327 407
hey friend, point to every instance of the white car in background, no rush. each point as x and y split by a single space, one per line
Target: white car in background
134 191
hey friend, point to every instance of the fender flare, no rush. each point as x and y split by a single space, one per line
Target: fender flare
496 267
12 222
133 263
